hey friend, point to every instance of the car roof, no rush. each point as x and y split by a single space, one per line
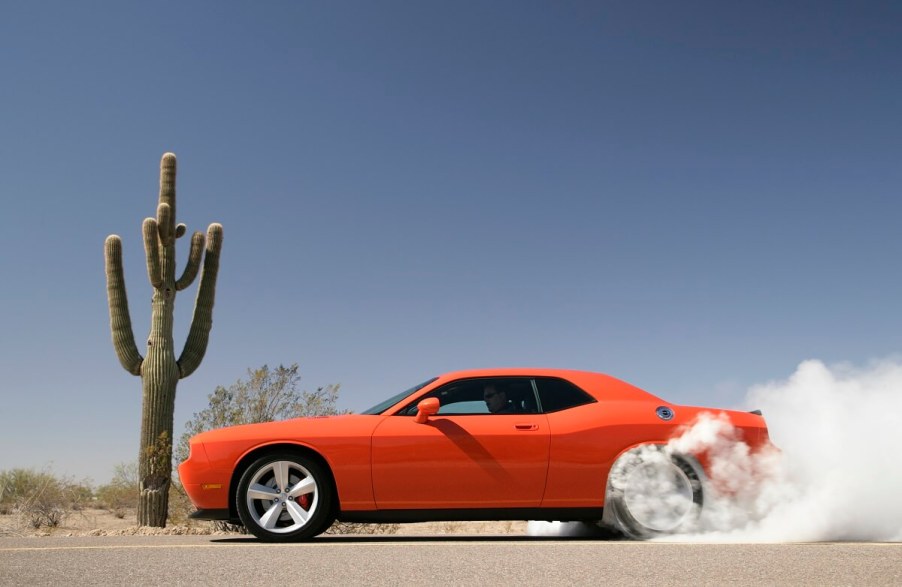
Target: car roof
514 372
590 381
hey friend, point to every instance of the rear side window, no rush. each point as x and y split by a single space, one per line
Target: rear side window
557 395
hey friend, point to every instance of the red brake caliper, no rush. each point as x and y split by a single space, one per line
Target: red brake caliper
304 501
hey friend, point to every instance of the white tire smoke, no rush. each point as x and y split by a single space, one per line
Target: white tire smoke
836 474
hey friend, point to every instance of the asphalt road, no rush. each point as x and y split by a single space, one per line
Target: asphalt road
398 560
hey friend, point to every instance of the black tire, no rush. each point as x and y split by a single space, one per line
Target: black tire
653 493
284 497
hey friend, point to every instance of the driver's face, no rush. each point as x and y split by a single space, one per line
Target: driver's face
494 399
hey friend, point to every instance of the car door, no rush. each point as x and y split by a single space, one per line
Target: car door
462 457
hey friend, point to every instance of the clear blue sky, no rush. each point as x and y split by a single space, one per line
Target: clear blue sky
691 196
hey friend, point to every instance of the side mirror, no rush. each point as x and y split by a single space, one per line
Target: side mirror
427 407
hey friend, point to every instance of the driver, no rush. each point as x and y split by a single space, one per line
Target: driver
496 399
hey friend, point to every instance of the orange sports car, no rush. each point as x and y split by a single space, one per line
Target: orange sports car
500 444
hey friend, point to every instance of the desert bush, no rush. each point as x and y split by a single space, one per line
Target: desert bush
120 495
266 395
81 494
39 498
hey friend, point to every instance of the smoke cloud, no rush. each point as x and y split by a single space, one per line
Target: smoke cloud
836 473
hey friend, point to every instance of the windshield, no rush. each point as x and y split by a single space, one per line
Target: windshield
384 405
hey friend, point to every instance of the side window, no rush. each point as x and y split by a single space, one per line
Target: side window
557 394
461 397
457 397
484 395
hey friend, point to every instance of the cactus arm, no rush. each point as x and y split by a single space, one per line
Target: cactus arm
152 250
194 258
180 230
164 220
202 322
167 186
120 321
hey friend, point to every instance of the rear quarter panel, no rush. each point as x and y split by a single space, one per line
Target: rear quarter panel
587 440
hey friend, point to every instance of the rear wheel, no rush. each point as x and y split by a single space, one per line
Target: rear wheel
653 493
285 496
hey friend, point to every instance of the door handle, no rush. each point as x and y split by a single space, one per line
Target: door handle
526 426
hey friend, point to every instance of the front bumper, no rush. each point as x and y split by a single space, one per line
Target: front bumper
207 487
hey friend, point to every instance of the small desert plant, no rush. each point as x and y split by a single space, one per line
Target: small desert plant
39 498
120 495
81 494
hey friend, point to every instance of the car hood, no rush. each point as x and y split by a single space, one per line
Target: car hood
296 428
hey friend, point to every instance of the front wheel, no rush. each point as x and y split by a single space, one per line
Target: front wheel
653 493
283 497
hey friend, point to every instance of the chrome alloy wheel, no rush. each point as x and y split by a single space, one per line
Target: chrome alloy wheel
282 496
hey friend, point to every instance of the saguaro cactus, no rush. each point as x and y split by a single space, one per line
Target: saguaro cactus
159 370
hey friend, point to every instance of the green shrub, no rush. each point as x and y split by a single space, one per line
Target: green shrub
120 495
118 500
39 498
